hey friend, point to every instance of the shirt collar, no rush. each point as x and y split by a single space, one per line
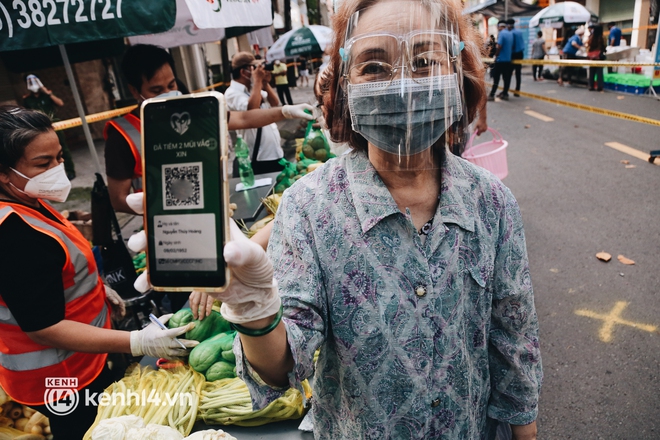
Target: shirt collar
373 201
239 86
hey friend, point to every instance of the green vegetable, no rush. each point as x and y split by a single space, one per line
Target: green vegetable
210 351
180 318
228 356
209 326
220 370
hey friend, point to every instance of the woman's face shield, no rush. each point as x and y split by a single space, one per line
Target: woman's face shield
401 80
382 57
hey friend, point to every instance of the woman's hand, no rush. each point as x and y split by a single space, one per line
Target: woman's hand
118 308
524 432
201 304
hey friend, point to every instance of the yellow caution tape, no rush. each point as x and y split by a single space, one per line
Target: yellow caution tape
109 114
588 108
574 63
96 117
586 63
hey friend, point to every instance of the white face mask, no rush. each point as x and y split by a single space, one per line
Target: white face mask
326 58
49 185
33 83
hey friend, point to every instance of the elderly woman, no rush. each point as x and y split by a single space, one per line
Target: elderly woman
54 309
405 265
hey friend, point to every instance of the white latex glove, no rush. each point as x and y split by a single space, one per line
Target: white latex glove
201 304
252 293
134 201
297 111
156 342
118 308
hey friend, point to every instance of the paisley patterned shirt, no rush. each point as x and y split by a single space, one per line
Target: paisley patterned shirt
432 339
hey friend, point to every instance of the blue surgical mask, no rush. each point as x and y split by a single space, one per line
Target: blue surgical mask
407 116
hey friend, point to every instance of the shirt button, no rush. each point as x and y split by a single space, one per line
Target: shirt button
435 402
420 291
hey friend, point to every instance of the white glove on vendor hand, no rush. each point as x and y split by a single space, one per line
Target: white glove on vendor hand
156 342
298 111
252 292
117 306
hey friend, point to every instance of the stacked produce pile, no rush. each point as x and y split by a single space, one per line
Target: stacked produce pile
227 402
162 397
213 357
315 151
217 396
134 428
21 422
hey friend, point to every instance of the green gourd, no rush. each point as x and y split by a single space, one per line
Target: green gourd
228 356
180 318
220 370
209 352
207 327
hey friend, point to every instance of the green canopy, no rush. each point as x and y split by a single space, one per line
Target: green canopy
31 24
27 24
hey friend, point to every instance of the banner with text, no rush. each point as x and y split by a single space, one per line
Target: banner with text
184 31
27 24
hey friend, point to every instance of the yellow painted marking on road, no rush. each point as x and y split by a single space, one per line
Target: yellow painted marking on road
588 108
537 115
630 151
613 318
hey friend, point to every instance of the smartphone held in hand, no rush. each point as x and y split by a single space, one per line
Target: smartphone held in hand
184 172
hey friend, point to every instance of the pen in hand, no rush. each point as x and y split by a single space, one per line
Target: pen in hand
156 321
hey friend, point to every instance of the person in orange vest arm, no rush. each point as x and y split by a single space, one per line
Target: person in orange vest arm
149 71
56 324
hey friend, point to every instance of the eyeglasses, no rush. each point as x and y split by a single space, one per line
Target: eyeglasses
379 58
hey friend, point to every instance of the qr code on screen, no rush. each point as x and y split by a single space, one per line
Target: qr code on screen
182 186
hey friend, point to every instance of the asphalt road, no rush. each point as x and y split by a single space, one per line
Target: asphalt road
599 321
578 199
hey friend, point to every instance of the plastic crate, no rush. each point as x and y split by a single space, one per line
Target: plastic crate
637 90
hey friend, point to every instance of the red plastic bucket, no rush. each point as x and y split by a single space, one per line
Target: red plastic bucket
489 155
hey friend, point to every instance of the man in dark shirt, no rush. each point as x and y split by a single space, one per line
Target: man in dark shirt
503 64
518 51
614 38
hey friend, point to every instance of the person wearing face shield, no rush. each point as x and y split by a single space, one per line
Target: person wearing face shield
55 312
149 72
41 98
404 264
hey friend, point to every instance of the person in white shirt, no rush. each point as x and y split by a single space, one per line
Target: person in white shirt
250 89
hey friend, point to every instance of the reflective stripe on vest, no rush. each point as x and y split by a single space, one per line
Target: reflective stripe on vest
24 364
46 357
82 282
134 140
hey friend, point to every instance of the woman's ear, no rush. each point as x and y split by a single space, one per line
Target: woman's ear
4 174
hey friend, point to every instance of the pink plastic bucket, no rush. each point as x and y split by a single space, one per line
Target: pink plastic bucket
489 155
